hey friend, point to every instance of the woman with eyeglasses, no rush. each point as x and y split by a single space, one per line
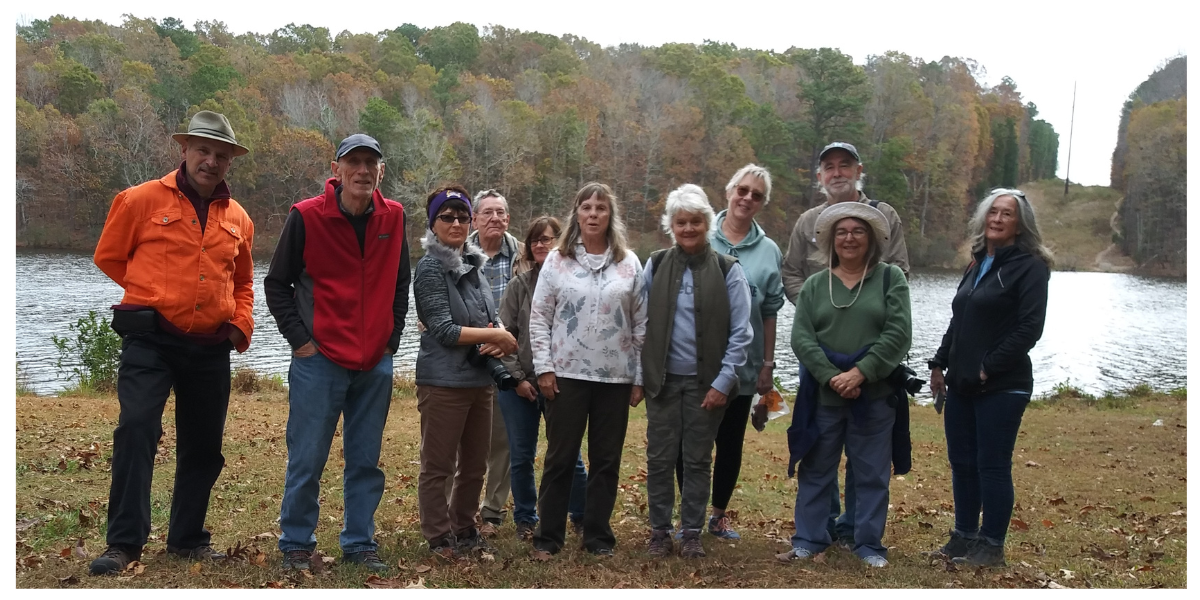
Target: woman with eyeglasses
586 326
737 233
984 370
454 387
523 407
853 326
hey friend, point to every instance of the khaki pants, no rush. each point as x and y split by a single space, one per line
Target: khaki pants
456 427
497 486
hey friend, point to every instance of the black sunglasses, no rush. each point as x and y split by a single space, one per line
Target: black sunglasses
744 190
454 219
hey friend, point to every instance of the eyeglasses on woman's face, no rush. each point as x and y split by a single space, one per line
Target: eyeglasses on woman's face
755 195
448 219
545 240
856 232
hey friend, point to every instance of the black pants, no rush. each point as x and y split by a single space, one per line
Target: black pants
151 365
603 410
728 462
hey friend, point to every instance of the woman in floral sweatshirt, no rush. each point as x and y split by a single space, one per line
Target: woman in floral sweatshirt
586 327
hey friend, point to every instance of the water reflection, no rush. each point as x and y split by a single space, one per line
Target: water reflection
1103 331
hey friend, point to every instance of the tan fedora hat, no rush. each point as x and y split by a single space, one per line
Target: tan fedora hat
215 126
828 220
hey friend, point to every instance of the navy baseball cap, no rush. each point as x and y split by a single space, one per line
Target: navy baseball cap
839 146
358 140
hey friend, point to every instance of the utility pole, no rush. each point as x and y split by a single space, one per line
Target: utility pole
1070 140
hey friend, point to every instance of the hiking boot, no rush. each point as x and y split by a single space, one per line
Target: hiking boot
691 548
957 547
488 528
660 543
204 552
602 552
444 547
719 527
796 553
473 542
297 560
367 558
876 561
525 531
113 561
983 554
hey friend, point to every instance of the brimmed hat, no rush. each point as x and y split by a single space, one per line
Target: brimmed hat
356 141
828 220
214 126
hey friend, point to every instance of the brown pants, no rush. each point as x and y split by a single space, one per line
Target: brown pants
456 430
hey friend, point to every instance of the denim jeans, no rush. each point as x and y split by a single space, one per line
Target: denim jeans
868 445
523 419
981 432
319 391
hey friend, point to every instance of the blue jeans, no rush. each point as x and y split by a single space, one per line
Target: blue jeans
319 391
868 445
523 420
981 432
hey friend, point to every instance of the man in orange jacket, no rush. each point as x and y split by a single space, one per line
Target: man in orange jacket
180 247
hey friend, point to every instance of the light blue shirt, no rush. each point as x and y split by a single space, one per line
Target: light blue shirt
984 267
681 353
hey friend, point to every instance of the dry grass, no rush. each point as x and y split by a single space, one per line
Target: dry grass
1101 495
1078 228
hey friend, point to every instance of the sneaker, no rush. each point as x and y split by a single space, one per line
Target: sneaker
797 553
957 547
113 561
204 552
691 548
983 554
525 531
577 527
367 558
473 542
297 560
602 552
719 527
660 544
876 561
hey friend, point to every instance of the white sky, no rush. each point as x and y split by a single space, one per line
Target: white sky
1045 46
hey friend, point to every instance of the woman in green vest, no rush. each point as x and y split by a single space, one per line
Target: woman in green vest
853 325
697 331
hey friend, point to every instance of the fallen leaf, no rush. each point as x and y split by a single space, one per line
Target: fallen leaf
819 558
23 524
1031 464
1066 575
1144 568
1019 525
1055 586
66 552
136 568
266 535
196 568
924 525
381 583
277 585
1047 523
1058 501
65 581
229 584
1148 499
423 568
419 584
80 550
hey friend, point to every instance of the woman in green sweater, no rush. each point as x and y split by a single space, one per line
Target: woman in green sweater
852 327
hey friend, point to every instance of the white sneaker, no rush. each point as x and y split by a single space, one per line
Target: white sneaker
794 554
875 561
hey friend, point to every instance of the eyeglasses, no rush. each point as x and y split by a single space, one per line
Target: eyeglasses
755 195
857 232
545 240
448 219
493 212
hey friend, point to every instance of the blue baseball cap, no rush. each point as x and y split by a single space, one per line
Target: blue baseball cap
356 141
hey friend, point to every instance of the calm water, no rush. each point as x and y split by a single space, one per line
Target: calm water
1103 331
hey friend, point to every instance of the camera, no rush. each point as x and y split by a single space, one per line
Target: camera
494 367
905 378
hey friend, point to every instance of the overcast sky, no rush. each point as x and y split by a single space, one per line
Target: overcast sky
1045 46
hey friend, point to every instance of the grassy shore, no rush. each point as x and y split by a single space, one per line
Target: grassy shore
1101 502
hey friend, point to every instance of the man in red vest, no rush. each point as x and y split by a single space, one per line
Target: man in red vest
338 288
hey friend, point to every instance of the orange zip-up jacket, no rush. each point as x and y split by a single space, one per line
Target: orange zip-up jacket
152 247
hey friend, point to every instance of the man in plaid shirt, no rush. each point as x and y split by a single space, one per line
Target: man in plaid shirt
502 249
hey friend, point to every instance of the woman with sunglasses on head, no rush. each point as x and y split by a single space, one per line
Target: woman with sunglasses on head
998 314
587 323
454 387
737 234
523 407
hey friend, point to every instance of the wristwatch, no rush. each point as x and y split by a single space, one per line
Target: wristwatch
769 363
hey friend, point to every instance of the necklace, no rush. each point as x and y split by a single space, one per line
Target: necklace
852 301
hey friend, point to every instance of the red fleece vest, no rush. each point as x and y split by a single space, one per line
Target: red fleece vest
353 292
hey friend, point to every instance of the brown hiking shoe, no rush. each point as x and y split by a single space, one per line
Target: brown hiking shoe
204 552
691 548
488 529
113 561
525 531
660 544
297 560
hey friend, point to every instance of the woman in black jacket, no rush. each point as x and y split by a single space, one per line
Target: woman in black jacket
998 315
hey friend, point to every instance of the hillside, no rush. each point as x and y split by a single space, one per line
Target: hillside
1078 229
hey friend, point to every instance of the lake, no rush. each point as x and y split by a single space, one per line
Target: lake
1104 331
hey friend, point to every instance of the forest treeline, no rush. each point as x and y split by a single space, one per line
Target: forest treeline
531 114
1150 167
